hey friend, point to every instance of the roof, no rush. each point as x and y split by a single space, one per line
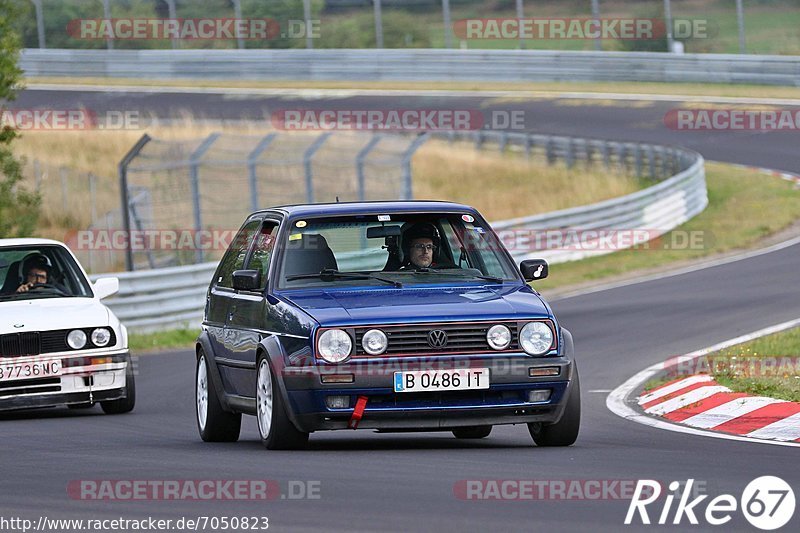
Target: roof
28 242
355 208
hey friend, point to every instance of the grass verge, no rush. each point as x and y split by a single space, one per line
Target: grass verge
546 88
744 207
162 340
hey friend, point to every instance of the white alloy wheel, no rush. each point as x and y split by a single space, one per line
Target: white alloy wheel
264 399
202 393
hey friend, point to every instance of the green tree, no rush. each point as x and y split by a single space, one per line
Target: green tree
19 209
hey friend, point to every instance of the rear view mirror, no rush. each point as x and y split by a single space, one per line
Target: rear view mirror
534 269
376 232
246 280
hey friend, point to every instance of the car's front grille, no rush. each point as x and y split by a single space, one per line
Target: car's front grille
462 337
39 342
30 386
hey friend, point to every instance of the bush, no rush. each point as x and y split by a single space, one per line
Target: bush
19 209
400 30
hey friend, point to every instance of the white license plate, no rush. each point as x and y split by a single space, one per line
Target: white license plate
437 380
32 370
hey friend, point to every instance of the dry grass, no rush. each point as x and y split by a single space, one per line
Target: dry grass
500 185
509 186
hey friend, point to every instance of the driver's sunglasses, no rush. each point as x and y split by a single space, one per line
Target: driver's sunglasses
42 277
424 247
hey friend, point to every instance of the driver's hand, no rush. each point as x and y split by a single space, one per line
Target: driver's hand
25 287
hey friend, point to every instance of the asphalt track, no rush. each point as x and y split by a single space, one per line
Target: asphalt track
405 482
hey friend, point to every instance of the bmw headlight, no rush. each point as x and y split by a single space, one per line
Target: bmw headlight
76 339
536 338
101 337
374 342
334 345
498 337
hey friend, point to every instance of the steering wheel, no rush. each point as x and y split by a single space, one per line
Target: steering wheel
47 287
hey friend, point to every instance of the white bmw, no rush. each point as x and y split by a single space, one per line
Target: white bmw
59 345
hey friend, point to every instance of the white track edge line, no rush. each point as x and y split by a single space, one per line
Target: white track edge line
617 401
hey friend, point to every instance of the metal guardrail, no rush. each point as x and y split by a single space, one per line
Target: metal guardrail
174 297
413 65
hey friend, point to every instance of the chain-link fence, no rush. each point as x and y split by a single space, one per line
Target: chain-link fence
189 196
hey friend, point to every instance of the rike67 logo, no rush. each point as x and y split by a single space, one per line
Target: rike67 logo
767 503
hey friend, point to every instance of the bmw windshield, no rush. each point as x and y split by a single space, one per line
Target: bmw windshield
396 249
44 271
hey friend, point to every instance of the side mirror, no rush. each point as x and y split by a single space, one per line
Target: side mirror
105 287
246 280
534 269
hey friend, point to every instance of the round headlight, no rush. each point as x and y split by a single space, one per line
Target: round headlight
334 345
375 342
100 337
76 339
498 337
536 338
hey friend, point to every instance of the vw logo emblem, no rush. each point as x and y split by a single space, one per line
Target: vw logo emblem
437 338
19 326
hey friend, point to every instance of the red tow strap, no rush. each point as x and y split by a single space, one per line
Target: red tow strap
358 412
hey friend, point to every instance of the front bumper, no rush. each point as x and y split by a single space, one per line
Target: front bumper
505 402
87 377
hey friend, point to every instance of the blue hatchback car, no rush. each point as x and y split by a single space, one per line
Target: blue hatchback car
394 316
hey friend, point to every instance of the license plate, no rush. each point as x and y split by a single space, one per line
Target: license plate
32 370
438 380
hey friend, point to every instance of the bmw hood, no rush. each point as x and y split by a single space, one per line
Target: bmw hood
341 307
42 314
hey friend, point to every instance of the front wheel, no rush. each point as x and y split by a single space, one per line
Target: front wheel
565 431
213 422
472 432
276 430
126 404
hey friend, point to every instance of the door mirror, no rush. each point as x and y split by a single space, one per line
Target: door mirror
105 287
246 280
533 269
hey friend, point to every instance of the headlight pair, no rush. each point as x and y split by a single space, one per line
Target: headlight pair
335 345
77 338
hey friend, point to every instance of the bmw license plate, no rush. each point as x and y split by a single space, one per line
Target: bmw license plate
441 380
31 370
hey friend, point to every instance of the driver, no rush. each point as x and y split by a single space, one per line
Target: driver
37 269
420 245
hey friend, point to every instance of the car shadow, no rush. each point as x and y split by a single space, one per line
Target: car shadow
50 412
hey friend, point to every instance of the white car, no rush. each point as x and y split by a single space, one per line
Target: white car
59 345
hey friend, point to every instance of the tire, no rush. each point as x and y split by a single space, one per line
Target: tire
565 431
276 430
472 432
213 422
126 404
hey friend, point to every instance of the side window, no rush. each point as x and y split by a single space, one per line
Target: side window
236 254
262 253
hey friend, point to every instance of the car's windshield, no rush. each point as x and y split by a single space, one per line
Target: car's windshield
403 248
44 271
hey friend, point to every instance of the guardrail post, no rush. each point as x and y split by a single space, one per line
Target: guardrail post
237 14
570 153
606 155
362 155
408 192
37 4
588 150
651 157
307 157
549 149
478 139
638 159
528 146
173 14
123 188
194 179
252 163
503 142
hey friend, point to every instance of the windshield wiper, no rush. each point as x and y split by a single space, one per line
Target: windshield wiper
423 270
329 274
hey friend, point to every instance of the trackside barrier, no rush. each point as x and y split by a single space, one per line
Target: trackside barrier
413 65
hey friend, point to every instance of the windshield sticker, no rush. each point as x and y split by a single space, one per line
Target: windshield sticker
301 224
467 218
384 218
295 236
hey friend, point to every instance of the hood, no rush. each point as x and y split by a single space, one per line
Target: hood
44 314
342 307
